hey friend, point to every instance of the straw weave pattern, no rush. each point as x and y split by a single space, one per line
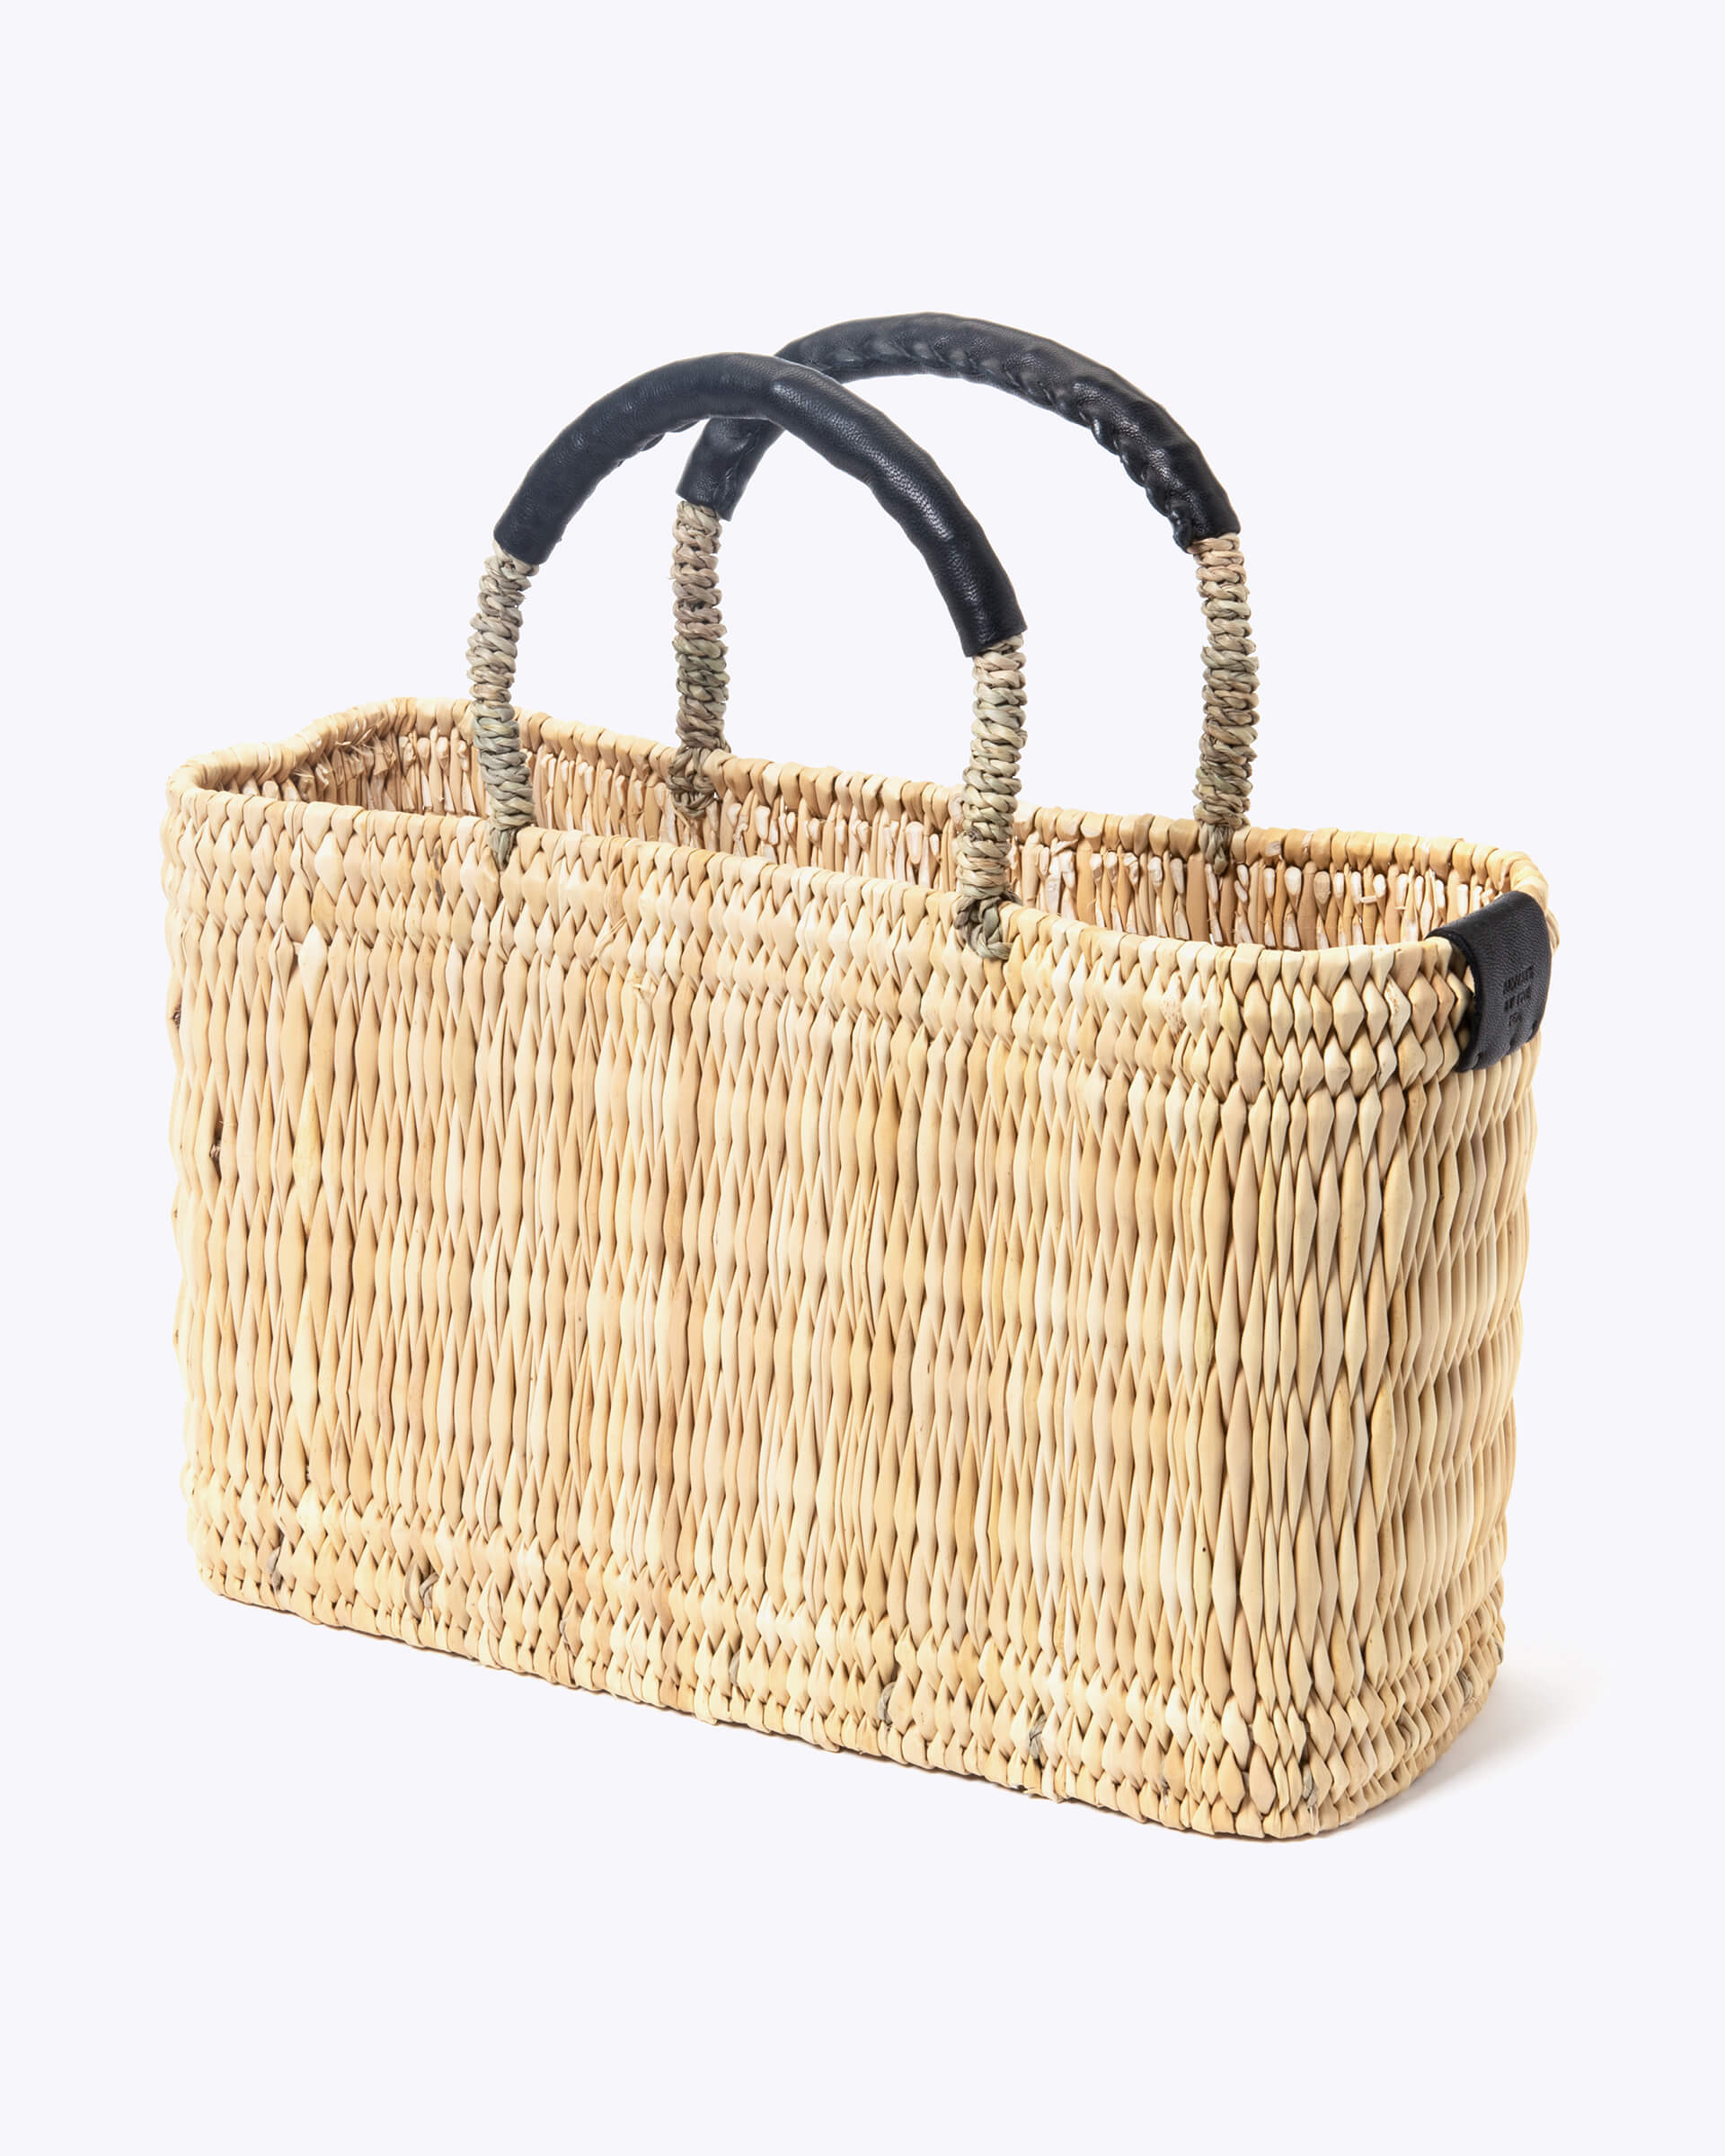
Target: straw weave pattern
694 1274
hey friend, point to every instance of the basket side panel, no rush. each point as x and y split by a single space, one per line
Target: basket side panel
671 1283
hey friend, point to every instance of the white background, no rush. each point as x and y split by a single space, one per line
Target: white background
294 297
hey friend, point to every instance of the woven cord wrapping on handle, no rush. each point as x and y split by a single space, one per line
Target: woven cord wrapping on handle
1156 454
491 671
990 801
1228 742
703 682
856 438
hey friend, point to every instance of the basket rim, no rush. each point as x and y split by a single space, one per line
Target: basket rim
226 773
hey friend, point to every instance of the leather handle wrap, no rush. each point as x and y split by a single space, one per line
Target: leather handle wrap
1160 456
1161 459
906 481
1507 948
776 394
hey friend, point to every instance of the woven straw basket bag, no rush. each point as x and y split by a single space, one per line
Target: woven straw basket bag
1027 1292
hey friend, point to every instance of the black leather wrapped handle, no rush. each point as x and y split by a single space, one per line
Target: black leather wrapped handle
850 434
774 394
1161 456
1161 459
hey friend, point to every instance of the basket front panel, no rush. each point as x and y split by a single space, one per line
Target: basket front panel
685 1278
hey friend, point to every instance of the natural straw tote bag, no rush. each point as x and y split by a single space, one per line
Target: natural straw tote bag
1016 1292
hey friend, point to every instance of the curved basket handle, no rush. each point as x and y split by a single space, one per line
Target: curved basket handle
903 478
857 438
1157 453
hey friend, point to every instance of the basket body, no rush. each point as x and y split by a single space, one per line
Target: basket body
691 1273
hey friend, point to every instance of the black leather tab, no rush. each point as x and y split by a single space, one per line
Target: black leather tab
904 479
1160 456
1508 951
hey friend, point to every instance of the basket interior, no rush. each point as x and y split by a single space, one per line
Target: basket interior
1293 890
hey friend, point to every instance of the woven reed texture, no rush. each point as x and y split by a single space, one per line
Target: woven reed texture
693 1273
